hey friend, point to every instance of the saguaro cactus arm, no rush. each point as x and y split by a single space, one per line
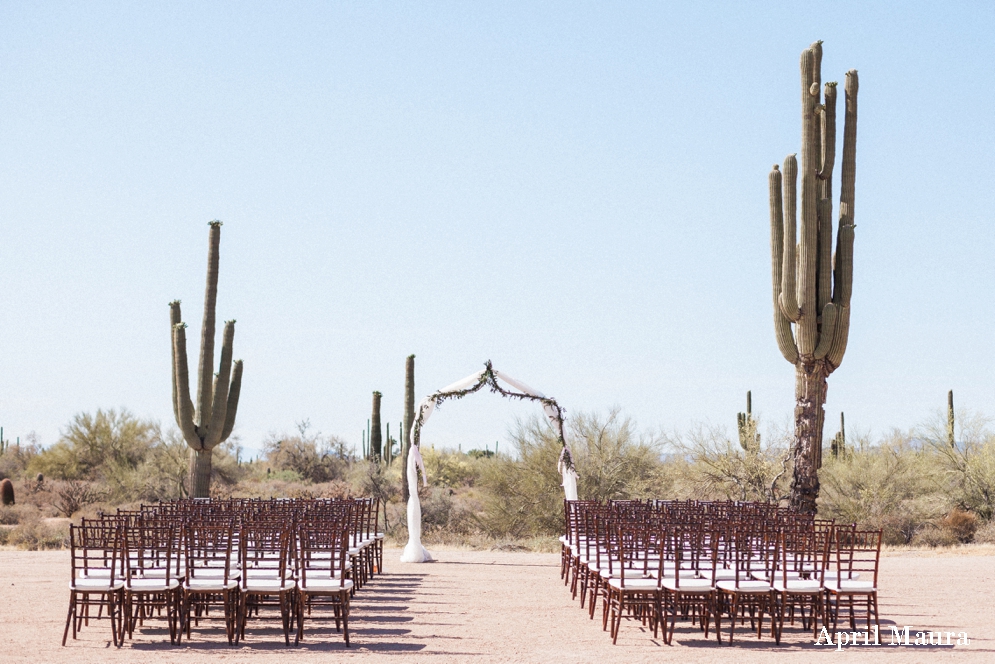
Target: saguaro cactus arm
807 333
219 407
176 318
788 300
843 277
181 384
233 394
205 367
782 324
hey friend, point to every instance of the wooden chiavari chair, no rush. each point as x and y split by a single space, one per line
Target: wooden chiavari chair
637 592
857 554
690 595
744 593
323 571
267 579
798 577
97 574
210 578
152 582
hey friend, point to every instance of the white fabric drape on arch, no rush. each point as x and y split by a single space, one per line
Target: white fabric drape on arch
414 552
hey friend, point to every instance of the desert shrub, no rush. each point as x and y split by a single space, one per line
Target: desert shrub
377 480
613 461
985 533
312 457
969 465
450 469
99 445
9 515
709 465
961 525
894 486
74 495
524 495
449 511
16 458
35 534
932 535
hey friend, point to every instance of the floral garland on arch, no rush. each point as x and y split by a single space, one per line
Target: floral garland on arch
414 552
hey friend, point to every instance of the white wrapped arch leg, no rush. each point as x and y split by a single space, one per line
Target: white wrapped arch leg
569 483
414 552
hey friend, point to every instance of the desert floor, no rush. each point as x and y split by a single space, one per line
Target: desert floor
499 607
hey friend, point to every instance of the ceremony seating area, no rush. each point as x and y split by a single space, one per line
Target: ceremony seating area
715 564
233 561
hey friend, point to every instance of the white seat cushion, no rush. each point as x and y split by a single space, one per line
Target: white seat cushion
215 573
153 585
669 573
846 586
779 575
635 584
746 586
726 574
797 586
325 585
688 585
268 585
209 585
98 573
96 585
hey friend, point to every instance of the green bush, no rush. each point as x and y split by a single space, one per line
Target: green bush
613 461
968 467
708 465
451 469
35 534
311 457
894 486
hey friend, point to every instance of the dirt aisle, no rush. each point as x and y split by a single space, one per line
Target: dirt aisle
493 607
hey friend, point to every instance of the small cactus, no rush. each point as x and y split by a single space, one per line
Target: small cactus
838 445
749 438
376 438
7 492
950 419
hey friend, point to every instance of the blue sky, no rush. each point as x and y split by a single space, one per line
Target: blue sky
575 191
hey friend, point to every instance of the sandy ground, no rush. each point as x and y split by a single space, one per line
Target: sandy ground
496 607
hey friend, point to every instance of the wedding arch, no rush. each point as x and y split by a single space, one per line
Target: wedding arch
414 552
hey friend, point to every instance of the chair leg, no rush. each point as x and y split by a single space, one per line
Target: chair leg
70 617
285 616
345 617
300 618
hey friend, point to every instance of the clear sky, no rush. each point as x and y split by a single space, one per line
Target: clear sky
576 191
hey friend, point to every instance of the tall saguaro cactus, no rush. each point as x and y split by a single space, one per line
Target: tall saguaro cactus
409 419
210 422
812 286
376 437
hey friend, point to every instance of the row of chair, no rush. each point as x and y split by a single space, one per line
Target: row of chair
658 561
180 560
